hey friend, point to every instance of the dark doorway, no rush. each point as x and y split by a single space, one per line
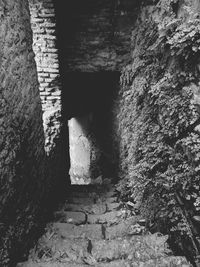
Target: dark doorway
88 99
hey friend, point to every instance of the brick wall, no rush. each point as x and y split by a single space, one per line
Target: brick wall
43 25
95 35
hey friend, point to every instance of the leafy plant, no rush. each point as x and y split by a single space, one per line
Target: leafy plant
161 89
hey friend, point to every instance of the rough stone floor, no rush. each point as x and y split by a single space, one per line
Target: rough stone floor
93 228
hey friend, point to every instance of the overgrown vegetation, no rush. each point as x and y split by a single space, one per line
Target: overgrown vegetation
160 114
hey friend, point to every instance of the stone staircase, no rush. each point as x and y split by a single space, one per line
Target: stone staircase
93 228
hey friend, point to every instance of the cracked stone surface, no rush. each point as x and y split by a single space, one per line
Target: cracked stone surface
93 228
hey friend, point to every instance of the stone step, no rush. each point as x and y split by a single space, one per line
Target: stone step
109 200
91 189
106 218
104 250
50 264
110 193
82 200
136 248
118 263
70 250
84 195
87 189
91 205
175 261
123 228
73 217
113 206
77 250
78 218
99 208
99 231
121 263
91 231
159 262
83 188
70 231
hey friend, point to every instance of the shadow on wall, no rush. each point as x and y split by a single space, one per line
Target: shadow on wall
39 186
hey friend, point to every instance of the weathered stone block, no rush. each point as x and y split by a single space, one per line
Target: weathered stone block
106 218
83 231
121 229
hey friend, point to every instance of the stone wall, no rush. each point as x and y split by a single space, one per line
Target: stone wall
43 24
96 34
22 156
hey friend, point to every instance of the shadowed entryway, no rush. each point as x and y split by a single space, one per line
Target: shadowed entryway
89 100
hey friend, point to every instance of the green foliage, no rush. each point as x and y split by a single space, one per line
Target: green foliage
181 33
164 177
186 39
